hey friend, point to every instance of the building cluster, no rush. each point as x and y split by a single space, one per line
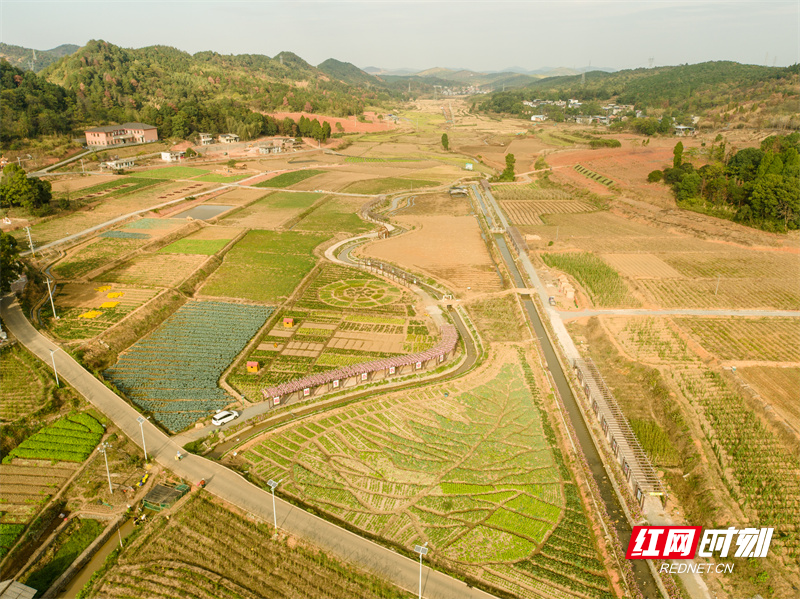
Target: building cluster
612 112
276 145
467 90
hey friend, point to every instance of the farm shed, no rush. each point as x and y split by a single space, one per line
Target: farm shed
252 367
288 323
162 497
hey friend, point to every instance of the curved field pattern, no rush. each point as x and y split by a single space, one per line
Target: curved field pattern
359 293
473 472
206 551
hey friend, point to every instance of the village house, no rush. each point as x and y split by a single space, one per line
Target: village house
228 138
117 135
206 139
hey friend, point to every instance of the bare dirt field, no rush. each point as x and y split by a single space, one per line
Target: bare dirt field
349 124
71 183
778 386
217 232
238 197
449 248
160 270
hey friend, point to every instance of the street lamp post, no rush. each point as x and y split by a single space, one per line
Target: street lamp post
422 550
104 449
141 420
30 241
53 358
52 305
272 484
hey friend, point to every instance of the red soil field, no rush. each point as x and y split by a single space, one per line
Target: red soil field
350 124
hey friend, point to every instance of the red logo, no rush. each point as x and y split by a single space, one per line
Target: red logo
663 542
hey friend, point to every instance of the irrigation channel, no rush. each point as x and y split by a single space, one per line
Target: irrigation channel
641 570
82 576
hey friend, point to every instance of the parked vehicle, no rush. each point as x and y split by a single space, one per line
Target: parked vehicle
223 417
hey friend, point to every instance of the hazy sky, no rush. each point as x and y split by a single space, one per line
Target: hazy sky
476 35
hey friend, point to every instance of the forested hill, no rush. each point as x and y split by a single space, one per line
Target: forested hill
23 57
349 73
105 76
179 93
687 88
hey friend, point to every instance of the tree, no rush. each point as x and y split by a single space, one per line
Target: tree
16 189
10 267
326 131
445 142
508 172
677 155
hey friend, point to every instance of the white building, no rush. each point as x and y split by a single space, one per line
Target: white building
171 156
539 118
228 138
206 139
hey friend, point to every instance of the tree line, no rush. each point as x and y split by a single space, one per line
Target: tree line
759 187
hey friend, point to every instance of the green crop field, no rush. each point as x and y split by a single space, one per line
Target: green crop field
264 266
205 247
475 473
94 255
171 172
593 175
335 216
602 283
69 439
215 178
173 372
376 186
289 179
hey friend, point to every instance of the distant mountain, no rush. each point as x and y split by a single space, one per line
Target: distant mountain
393 72
348 73
21 57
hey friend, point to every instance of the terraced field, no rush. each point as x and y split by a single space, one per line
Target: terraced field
175 558
472 470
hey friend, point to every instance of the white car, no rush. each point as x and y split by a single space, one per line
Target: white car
223 417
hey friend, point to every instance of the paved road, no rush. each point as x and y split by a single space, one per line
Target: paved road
228 485
569 315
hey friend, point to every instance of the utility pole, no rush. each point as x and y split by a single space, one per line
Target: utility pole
30 241
717 289
104 449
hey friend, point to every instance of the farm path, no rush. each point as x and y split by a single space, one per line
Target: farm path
571 315
228 485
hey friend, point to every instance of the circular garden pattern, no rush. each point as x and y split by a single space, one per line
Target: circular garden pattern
359 293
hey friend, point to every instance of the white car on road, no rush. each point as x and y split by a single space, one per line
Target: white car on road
223 417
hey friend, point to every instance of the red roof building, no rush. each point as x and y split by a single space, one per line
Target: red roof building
117 135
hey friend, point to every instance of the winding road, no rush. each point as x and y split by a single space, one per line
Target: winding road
230 486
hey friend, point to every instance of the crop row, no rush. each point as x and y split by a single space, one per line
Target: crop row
593 175
184 358
602 283
70 439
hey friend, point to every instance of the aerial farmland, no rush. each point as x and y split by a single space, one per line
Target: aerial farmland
433 348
